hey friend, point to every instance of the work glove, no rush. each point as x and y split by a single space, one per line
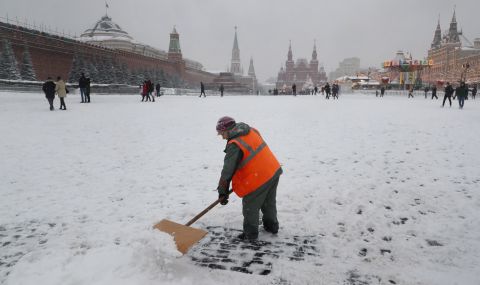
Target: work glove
223 199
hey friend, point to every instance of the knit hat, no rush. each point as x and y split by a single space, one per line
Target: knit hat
225 123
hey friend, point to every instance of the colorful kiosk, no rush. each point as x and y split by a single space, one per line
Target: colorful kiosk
405 71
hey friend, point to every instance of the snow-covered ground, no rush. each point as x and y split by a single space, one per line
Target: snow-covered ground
388 186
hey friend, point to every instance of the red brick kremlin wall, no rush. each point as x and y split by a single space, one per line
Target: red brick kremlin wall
53 55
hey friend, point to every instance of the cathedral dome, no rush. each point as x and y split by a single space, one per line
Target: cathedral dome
107 33
105 29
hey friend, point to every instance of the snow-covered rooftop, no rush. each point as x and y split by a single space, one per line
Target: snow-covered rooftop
105 25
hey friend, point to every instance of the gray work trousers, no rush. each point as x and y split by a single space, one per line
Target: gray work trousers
264 199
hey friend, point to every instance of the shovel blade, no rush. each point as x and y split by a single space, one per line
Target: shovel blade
185 237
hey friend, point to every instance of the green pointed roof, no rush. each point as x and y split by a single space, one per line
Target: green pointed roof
174 42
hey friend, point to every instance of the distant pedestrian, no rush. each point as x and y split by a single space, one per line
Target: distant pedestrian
157 89
410 92
474 91
382 91
434 92
327 91
426 91
294 89
144 91
82 84
461 92
221 90
202 90
148 90
49 90
151 88
315 90
448 94
61 90
335 90
87 90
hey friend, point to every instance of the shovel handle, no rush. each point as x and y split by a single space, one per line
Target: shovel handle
205 211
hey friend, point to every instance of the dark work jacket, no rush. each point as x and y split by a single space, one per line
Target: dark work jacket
49 89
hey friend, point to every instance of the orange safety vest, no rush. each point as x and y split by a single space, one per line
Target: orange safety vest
258 164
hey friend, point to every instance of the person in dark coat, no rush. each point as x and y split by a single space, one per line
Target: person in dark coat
410 92
294 89
327 91
426 91
335 90
151 88
434 92
254 176
315 90
49 90
87 90
382 91
221 90
157 89
448 94
474 91
144 91
82 84
461 92
202 90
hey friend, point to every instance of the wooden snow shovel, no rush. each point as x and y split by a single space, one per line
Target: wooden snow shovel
184 235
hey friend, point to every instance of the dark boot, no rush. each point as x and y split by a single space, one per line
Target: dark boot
271 228
245 237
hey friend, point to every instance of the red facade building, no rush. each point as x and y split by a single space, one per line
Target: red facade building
302 73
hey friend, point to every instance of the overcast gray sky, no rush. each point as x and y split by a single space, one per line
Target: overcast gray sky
372 30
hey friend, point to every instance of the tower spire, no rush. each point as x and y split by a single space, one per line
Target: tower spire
314 53
235 63
290 55
437 38
251 69
235 41
453 36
